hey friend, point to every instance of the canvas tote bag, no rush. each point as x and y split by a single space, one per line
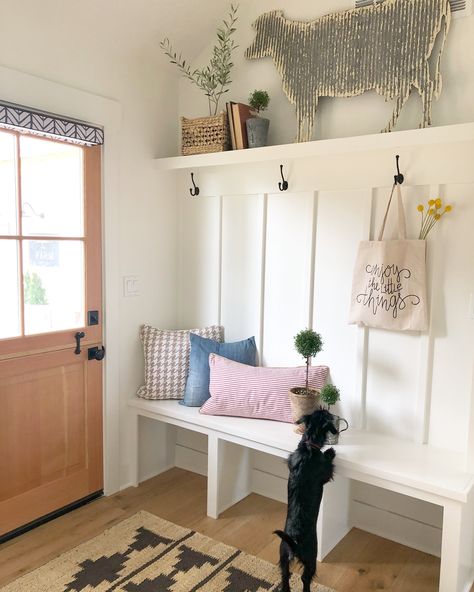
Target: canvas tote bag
389 283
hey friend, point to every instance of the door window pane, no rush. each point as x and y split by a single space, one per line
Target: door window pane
53 280
52 188
10 324
8 204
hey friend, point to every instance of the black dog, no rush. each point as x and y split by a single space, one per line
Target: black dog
310 469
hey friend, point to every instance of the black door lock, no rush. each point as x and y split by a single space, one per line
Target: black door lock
96 353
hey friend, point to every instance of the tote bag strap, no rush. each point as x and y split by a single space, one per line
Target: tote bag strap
402 229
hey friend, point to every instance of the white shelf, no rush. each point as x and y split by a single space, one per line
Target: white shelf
431 136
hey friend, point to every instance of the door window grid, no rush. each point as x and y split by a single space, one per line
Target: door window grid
41 254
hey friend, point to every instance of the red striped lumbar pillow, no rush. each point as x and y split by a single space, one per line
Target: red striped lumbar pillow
246 391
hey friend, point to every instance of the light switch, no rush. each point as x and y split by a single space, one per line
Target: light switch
131 285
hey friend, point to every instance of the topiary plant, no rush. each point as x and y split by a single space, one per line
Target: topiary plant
259 100
330 395
214 79
308 343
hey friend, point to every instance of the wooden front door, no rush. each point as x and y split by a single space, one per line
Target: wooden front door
50 290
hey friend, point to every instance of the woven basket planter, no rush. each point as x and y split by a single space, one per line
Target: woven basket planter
205 134
303 405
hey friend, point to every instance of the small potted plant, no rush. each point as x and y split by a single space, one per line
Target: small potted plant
329 396
257 127
208 134
304 399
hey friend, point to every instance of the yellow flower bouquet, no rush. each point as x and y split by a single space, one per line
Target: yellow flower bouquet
431 215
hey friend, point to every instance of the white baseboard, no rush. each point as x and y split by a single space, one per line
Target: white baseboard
395 527
191 460
269 485
155 473
149 475
122 487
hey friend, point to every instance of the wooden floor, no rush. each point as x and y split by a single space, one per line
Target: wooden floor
360 563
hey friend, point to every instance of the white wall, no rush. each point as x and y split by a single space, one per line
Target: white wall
53 42
399 369
338 117
269 264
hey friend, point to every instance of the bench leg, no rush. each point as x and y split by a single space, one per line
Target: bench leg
152 446
456 573
333 519
133 444
228 476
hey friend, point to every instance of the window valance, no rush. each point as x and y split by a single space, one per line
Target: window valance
52 126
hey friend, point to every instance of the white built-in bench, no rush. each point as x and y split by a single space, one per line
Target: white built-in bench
415 470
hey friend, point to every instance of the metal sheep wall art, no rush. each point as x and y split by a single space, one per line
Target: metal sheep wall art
386 47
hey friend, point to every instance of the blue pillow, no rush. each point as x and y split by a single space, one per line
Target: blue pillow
197 385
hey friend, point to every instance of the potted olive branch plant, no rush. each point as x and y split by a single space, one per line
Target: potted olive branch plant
257 127
303 400
329 396
208 134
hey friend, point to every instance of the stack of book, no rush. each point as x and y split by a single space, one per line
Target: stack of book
238 113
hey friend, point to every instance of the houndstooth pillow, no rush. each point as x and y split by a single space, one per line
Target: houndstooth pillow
167 360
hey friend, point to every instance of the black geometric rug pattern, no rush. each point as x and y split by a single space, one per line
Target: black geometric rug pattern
147 554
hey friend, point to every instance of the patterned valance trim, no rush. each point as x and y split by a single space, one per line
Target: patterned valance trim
48 125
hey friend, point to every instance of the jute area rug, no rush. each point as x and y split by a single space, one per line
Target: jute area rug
147 554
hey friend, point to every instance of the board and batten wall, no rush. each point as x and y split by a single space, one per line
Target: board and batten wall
268 264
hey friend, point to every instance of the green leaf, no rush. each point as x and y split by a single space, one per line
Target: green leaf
330 394
217 73
308 343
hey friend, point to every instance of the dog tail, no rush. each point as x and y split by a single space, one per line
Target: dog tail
288 540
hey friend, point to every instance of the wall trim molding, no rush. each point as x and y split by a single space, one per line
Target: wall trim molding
45 95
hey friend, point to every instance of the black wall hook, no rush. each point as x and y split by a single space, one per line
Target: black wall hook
283 184
194 191
399 178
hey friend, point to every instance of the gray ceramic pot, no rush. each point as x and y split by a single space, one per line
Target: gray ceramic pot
334 438
257 131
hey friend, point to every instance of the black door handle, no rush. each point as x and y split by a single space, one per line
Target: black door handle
96 353
78 336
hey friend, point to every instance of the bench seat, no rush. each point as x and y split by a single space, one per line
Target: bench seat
416 470
436 471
